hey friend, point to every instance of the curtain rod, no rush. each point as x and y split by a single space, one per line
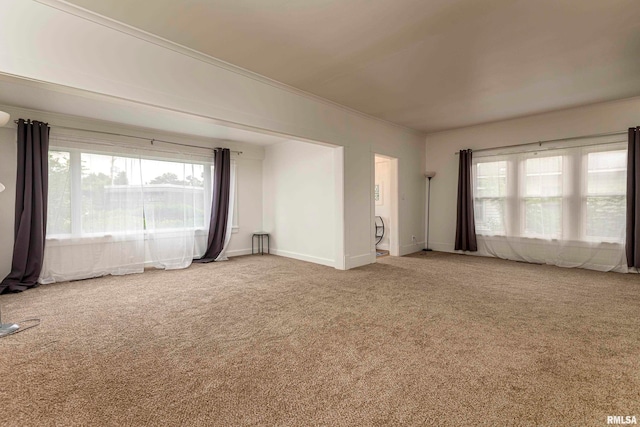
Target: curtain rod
539 143
152 140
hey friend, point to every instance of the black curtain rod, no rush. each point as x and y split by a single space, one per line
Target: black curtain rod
539 143
152 140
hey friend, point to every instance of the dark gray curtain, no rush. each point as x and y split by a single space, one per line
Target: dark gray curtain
466 225
32 185
633 198
219 204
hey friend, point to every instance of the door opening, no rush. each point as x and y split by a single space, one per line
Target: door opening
385 206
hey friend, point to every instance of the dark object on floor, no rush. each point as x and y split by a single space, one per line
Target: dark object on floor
260 235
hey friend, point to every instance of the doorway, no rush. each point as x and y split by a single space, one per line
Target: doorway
385 206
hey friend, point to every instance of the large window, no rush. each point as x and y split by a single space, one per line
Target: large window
573 194
116 209
93 194
115 213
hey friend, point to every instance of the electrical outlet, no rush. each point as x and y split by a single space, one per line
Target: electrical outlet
413 238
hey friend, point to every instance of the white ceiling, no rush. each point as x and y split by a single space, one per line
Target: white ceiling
428 65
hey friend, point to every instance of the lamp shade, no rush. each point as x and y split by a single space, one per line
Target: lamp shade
1 187
4 118
429 174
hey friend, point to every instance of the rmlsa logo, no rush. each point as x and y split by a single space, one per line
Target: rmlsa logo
621 419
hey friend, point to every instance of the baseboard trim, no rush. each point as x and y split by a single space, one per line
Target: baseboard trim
359 260
409 249
442 247
239 252
303 257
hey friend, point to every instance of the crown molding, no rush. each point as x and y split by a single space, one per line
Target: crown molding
70 90
154 39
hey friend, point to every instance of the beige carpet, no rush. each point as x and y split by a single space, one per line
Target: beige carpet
431 339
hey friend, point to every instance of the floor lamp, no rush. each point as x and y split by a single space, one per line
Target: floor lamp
428 175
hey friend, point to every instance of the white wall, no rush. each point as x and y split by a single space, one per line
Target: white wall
249 176
300 209
59 47
8 164
441 148
383 207
249 195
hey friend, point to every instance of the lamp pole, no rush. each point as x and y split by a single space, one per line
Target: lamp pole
429 175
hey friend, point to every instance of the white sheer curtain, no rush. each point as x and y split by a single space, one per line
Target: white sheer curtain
174 210
94 225
564 206
113 213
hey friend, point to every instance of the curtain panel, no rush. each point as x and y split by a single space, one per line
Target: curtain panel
221 208
465 224
632 246
31 207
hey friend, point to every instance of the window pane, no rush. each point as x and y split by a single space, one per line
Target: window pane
173 194
606 217
491 179
543 216
607 173
606 195
489 216
111 194
59 211
543 177
490 191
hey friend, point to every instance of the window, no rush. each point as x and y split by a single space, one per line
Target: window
604 203
543 196
490 197
94 194
573 194
59 196
114 211
177 196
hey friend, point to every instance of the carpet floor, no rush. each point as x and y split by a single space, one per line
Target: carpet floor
428 339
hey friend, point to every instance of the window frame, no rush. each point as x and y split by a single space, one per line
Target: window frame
504 199
522 197
573 195
584 190
75 189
